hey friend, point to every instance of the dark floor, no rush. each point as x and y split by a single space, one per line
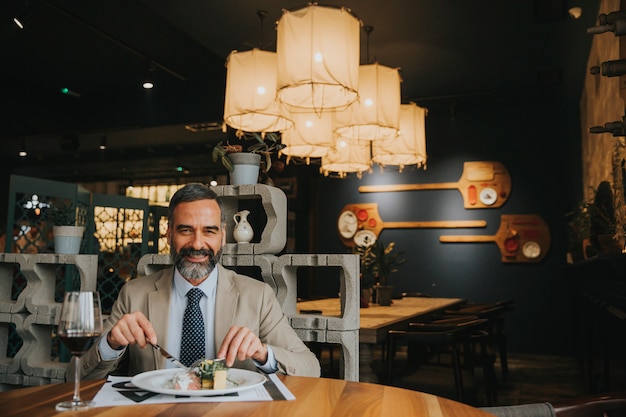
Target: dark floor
532 378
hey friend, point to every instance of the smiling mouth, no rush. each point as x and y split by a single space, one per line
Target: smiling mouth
197 258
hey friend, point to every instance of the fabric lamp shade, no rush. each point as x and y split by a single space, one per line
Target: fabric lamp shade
250 104
318 58
348 156
409 147
376 115
311 135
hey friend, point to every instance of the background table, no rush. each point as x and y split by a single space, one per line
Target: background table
318 397
376 321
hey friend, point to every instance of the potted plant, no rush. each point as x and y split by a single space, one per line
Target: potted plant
67 235
244 164
366 276
384 262
603 221
579 230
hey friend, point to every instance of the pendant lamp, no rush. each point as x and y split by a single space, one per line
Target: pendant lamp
409 147
311 135
348 156
250 104
317 49
376 115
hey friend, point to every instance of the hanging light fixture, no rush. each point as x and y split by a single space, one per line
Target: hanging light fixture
375 116
318 58
250 104
348 156
409 147
311 135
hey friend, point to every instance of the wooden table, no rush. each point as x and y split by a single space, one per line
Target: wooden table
377 320
318 397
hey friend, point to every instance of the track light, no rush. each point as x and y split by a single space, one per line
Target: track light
148 81
103 142
23 19
22 153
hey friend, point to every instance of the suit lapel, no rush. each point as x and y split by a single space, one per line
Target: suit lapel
158 310
225 305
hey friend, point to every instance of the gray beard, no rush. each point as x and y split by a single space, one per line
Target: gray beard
195 271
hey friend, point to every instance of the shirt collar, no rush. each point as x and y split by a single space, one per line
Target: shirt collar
182 286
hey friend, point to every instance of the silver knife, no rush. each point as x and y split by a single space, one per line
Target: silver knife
169 357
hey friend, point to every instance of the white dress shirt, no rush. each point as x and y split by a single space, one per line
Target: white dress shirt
178 303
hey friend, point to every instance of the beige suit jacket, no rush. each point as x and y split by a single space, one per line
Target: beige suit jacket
240 301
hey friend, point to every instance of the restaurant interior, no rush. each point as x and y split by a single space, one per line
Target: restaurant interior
520 106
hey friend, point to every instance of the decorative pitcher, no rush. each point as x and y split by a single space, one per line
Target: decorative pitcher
243 231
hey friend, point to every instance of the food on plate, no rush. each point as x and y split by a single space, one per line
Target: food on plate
186 381
205 374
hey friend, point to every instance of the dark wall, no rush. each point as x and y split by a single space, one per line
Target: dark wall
540 146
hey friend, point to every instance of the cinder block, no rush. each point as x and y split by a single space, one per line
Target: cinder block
285 275
10 365
311 335
349 341
8 261
274 203
40 273
13 379
264 262
39 349
34 381
151 263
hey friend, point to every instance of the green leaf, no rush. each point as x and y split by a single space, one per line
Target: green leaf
227 163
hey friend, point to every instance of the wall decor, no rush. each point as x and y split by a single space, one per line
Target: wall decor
360 224
520 238
483 184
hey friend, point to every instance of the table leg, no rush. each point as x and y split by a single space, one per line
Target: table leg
366 357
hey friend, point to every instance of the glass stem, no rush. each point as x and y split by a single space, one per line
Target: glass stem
76 398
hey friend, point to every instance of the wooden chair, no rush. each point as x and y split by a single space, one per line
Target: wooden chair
427 341
597 405
495 313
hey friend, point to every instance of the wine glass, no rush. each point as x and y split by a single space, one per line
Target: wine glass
80 325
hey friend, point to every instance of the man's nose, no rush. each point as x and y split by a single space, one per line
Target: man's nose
198 241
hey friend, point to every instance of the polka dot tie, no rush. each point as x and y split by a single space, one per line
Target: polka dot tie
192 343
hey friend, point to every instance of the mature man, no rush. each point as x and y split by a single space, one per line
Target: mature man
239 317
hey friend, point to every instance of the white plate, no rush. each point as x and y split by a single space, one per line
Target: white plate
161 381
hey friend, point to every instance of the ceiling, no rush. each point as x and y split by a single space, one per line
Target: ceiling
449 51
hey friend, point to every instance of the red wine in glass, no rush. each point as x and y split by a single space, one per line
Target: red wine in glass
80 342
80 325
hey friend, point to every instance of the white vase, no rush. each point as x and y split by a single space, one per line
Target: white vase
243 232
246 168
67 239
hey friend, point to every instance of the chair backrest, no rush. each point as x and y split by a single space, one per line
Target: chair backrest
523 410
598 405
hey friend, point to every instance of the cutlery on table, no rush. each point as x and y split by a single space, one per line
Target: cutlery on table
169 357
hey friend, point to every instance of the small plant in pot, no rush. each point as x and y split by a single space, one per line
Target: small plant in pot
256 156
603 220
384 262
367 273
67 235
